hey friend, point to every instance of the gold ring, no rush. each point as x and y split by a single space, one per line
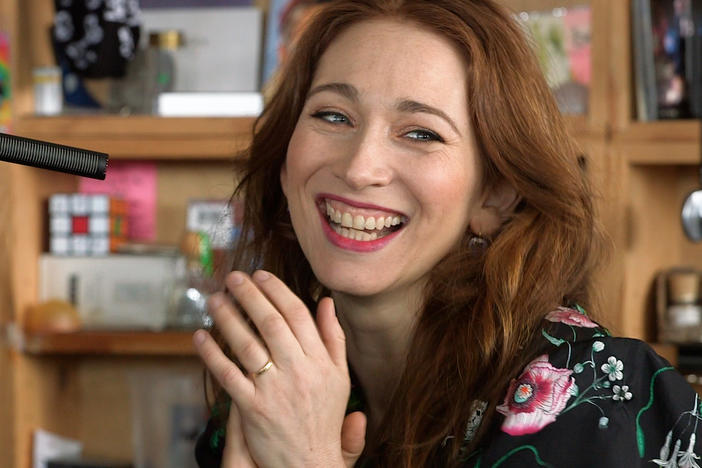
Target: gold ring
264 369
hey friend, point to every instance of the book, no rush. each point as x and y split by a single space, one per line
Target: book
671 26
667 48
644 68
694 60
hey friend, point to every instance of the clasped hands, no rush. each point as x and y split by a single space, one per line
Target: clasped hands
290 413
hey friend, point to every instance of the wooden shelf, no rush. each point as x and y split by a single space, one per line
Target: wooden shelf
667 142
142 343
143 137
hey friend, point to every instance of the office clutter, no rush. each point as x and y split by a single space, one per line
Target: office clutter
52 316
111 282
168 413
48 95
47 446
121 56
111 292
84 224
97 39
678 306
187 307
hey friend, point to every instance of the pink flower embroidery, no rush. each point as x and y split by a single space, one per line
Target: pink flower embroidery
570 317
536 397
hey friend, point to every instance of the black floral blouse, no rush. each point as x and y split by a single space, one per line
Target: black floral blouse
591 400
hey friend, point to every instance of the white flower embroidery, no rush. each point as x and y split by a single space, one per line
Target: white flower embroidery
621 393
688 457
604 421
664 461
598 346
613 368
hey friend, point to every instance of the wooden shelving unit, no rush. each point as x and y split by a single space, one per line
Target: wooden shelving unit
65 383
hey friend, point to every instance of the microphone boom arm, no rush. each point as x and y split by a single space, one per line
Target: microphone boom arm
45 155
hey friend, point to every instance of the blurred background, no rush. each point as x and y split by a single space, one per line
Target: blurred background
103 282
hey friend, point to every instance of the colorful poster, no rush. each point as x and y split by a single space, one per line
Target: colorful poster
136 183
5 113
561 39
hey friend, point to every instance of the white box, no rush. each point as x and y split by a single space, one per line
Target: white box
215 104
112 292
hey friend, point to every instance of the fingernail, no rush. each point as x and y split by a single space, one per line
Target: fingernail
199 337
261 275
236 278
215 300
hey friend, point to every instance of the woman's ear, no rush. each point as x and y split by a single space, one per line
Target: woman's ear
498 206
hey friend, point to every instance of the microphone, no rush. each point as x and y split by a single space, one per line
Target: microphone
52 156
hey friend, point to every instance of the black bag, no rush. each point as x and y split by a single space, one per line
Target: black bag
97 37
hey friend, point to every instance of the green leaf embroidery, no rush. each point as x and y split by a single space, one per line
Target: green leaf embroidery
531 448
554 341
640 439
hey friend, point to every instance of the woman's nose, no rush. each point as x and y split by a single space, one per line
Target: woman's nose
366 162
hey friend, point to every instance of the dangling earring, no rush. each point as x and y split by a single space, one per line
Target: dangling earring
478 243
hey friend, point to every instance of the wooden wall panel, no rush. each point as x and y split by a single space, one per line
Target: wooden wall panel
653 243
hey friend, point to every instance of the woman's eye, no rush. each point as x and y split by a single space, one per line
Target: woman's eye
331 117
424 135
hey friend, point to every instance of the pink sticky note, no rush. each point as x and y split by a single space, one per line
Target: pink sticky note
136 183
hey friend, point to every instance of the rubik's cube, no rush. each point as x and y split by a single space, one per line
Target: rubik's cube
82 224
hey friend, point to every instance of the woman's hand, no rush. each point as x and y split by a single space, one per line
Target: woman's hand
236 452
290 412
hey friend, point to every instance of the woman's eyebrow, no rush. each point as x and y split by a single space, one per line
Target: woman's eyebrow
408 105
346 90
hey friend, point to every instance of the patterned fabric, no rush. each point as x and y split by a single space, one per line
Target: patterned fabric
592 400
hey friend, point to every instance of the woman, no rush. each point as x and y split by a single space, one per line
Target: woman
412 184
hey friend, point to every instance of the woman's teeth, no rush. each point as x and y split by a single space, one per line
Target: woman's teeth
357 227
354 234
359 222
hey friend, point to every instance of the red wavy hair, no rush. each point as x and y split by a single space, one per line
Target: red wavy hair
483 312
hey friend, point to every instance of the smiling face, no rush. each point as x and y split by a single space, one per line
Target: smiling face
382 176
